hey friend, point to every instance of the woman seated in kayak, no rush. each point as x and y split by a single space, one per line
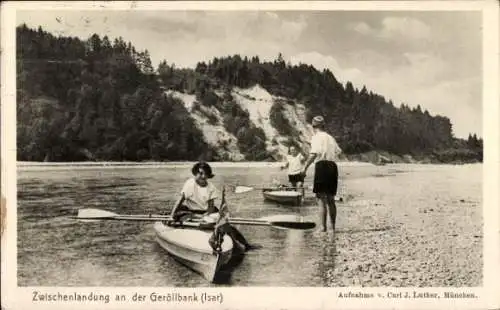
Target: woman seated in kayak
198 198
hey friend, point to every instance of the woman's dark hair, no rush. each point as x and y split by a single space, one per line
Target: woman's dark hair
319 126
203 166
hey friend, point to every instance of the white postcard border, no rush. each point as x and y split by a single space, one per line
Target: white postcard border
14 297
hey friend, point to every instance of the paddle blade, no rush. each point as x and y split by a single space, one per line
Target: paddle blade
289 221
286 221
294 225
86 220
242 189
94 214
282 218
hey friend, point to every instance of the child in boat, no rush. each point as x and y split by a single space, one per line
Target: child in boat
198 198
295 164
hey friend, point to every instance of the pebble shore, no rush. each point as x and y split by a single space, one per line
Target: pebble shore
408 230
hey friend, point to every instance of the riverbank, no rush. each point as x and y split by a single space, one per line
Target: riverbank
409 227
28 165
383 157
368 158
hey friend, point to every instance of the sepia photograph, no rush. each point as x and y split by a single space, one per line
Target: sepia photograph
253 147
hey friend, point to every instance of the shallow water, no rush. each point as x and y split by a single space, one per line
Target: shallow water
400 225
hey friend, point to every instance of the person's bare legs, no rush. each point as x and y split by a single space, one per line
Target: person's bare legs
332 209
235 234
300 186
322 203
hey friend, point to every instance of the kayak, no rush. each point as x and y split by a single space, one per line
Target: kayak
189 242
191 248
292 197
288 196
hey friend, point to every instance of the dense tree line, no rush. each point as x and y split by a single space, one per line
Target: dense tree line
360 120
96 100
101 99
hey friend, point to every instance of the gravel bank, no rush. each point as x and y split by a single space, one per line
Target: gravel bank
418 228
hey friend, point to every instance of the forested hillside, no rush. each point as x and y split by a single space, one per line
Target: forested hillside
101 99
97 99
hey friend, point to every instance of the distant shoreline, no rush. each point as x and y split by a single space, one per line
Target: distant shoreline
173 164
378 158
169 164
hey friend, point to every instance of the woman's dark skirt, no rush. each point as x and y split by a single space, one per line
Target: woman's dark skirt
187 209
184 213
326 177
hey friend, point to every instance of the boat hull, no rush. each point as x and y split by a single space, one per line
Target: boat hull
288 197
191 248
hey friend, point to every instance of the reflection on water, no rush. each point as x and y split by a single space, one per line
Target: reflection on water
54 250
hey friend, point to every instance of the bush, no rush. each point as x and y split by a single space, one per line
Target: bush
458 155
212 119
251 139
210 99
280 122
358 147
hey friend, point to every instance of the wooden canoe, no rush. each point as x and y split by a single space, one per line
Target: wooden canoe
191 248
289 197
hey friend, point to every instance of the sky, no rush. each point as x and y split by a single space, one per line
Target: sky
427 58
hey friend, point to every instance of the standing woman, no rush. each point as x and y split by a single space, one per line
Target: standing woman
324 152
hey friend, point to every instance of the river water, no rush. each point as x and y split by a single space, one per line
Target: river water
399 225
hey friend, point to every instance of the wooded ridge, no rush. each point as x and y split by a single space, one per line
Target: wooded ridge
101 99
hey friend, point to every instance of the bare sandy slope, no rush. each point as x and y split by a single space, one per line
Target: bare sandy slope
408 226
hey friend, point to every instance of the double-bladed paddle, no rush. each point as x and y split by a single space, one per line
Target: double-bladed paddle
243 189
278 221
